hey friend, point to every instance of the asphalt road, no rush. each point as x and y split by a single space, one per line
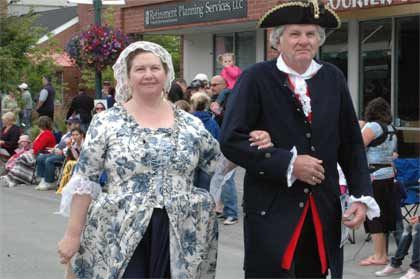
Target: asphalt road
29 232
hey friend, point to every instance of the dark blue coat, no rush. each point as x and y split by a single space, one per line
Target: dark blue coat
262 100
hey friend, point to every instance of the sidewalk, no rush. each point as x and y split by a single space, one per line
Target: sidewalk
230 258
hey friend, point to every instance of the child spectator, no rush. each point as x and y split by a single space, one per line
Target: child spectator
24 145
230 71
74 146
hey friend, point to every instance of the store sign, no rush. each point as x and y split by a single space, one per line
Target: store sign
196 11
348 4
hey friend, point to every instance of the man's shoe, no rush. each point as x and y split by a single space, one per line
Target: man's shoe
388 270
230 221
411 274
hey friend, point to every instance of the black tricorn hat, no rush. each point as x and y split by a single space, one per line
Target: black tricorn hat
300 12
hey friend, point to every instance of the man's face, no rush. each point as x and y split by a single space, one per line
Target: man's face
217 85
299 44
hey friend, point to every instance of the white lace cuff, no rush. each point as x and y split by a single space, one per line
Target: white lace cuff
77 185
372 207
290 177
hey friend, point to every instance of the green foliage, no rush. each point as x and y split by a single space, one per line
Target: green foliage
171 44
21 60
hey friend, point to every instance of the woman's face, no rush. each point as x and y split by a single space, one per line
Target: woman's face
147 75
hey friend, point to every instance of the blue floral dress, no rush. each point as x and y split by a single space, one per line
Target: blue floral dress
147 169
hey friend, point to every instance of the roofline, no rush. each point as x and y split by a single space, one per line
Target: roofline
58 30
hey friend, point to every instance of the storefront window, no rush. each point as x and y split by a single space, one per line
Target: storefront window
407 89
375 60
334 49
242 44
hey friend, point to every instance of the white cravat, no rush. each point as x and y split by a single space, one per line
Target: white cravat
299 83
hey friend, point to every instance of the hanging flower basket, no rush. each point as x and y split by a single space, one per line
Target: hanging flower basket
97 47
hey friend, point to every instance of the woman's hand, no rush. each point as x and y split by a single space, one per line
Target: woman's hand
67 247
261 139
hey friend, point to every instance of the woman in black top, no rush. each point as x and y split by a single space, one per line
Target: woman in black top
9 134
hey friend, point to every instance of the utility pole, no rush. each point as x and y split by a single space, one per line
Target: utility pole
97 7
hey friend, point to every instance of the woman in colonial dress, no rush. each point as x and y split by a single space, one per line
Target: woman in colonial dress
153 222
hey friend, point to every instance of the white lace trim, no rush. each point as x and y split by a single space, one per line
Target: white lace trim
80 186
123 90
373 209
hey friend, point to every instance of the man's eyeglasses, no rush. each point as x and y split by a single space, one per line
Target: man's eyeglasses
214 84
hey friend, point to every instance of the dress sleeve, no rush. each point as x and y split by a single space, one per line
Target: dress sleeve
209 151
85 179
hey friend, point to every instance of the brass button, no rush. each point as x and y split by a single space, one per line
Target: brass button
308 135
263 213
301 205
313 148
267 155
261 173
306 190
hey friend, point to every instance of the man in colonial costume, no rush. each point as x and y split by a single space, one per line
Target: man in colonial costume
293 217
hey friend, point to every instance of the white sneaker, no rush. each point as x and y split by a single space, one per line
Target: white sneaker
230 221
40 184
47 186
5 181
388 270
411 274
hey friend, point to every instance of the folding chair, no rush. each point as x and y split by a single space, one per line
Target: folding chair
408 175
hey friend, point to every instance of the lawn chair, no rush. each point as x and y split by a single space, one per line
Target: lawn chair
408 175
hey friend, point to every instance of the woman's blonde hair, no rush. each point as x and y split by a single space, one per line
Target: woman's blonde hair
222 56
200 101
9 116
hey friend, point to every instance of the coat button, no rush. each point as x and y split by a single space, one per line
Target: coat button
313 148
308 135
301 205
261 173
298 109
306 190
267 155
263 213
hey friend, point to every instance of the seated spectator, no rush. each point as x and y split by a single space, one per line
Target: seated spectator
99 107
47 163
73 149
22 171
410 236
9 135
24 145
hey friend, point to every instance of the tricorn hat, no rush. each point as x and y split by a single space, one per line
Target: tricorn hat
300 12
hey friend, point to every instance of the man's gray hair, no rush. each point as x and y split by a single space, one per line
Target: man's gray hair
278 32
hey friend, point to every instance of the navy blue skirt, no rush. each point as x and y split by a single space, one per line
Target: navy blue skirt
151 257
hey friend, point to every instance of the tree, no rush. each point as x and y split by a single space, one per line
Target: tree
171 44
21 60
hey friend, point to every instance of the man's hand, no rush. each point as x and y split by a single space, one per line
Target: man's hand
358 211
308 169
